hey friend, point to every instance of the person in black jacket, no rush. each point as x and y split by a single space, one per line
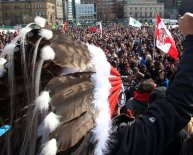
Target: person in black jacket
152 132
187 148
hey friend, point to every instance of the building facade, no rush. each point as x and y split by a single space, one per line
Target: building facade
65 10
179 6
85 13
87 1
119 9
143 10
23 12
59 11
172 8
187 6
106 10
71 13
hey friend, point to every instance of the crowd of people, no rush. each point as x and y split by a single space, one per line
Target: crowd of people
5 38
132 51
158 106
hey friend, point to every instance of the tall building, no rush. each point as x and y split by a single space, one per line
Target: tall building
70 10
179 6
119 8
143 10
65 10
172 8
85 13
187 6
90 2
23 12
59 11
87 1
128 1
106 9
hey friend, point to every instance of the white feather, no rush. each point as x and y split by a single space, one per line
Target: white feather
2 62
102 133
51 121
40 21
9 48
28 25
24 31
42 101
47 34
102 130
47 53
69 70
2 69
49 148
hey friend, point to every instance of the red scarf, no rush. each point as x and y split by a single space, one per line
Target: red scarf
141 97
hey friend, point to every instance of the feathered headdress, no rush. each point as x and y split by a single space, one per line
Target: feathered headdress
64 98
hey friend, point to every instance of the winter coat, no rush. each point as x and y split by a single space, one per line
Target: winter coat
152 132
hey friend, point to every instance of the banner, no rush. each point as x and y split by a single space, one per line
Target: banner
134 22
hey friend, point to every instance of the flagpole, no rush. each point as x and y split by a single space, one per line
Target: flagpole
101 29
154 41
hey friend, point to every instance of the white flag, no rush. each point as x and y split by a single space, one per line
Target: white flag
134 22
100 27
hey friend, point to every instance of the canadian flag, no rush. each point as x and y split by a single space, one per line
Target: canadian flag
97 28
65 26
164 39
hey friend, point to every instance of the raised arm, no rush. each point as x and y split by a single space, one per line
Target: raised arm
151 133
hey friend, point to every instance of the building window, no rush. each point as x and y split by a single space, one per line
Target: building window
150 14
